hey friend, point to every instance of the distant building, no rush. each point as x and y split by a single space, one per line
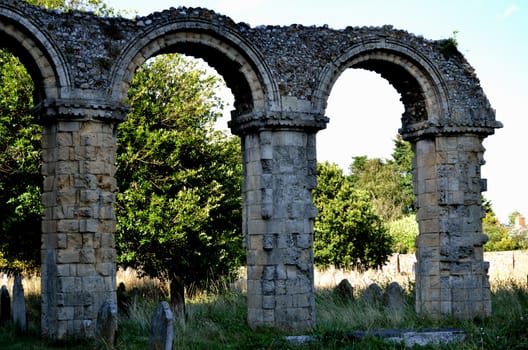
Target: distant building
520 221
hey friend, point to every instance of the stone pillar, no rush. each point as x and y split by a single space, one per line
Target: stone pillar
451 276
279 174
78 254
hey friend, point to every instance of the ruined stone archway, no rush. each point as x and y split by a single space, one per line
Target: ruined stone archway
446 171
243 68
281 78
39 54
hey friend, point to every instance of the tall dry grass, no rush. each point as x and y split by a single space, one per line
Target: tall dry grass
216 319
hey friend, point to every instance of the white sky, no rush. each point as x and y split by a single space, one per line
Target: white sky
364 109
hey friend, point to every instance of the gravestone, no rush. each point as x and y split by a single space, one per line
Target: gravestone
161 328
394 296
123 299
19 305
373 294
107 324
344 290
5 305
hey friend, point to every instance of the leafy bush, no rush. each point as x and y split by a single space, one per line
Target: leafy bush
348 232
403 232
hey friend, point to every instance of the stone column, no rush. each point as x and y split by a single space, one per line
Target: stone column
279 173
78 254
451 276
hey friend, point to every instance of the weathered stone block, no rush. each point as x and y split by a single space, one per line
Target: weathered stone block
65 313
67 256
268 302
85 270
268 287
89 225
105 269
89 196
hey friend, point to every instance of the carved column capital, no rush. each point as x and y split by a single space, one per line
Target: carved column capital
424 129
434 128
243 124
58 109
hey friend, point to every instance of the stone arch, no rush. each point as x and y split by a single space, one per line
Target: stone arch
39 54
419 82
238 62
447 180
281 78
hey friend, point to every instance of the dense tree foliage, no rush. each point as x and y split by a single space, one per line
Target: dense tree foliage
20 178
389 183
348 232
98 7
403 232
179 207
402 160
502 237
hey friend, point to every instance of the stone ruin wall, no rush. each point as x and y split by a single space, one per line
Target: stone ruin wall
281 78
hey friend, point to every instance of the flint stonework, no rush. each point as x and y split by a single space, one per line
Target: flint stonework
281 77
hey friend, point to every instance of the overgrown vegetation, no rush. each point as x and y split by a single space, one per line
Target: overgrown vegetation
179 206
348 231
217 320
449 46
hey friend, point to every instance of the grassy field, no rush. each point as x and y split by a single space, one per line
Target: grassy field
217 320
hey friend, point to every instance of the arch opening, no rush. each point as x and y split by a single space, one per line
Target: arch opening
445 179
364 111
365 114
409 89
228 69
13 45
184 183
20 178
244 74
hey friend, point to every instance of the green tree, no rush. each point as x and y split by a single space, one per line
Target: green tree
98 7
402 159
499 236
382 181
389 183
512 217
348 232
403 232
179 210
20 179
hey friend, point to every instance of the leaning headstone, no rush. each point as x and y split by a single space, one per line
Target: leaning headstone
5 305
373 294
161 328
344 290
123 299
19 305
107 324
394 296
